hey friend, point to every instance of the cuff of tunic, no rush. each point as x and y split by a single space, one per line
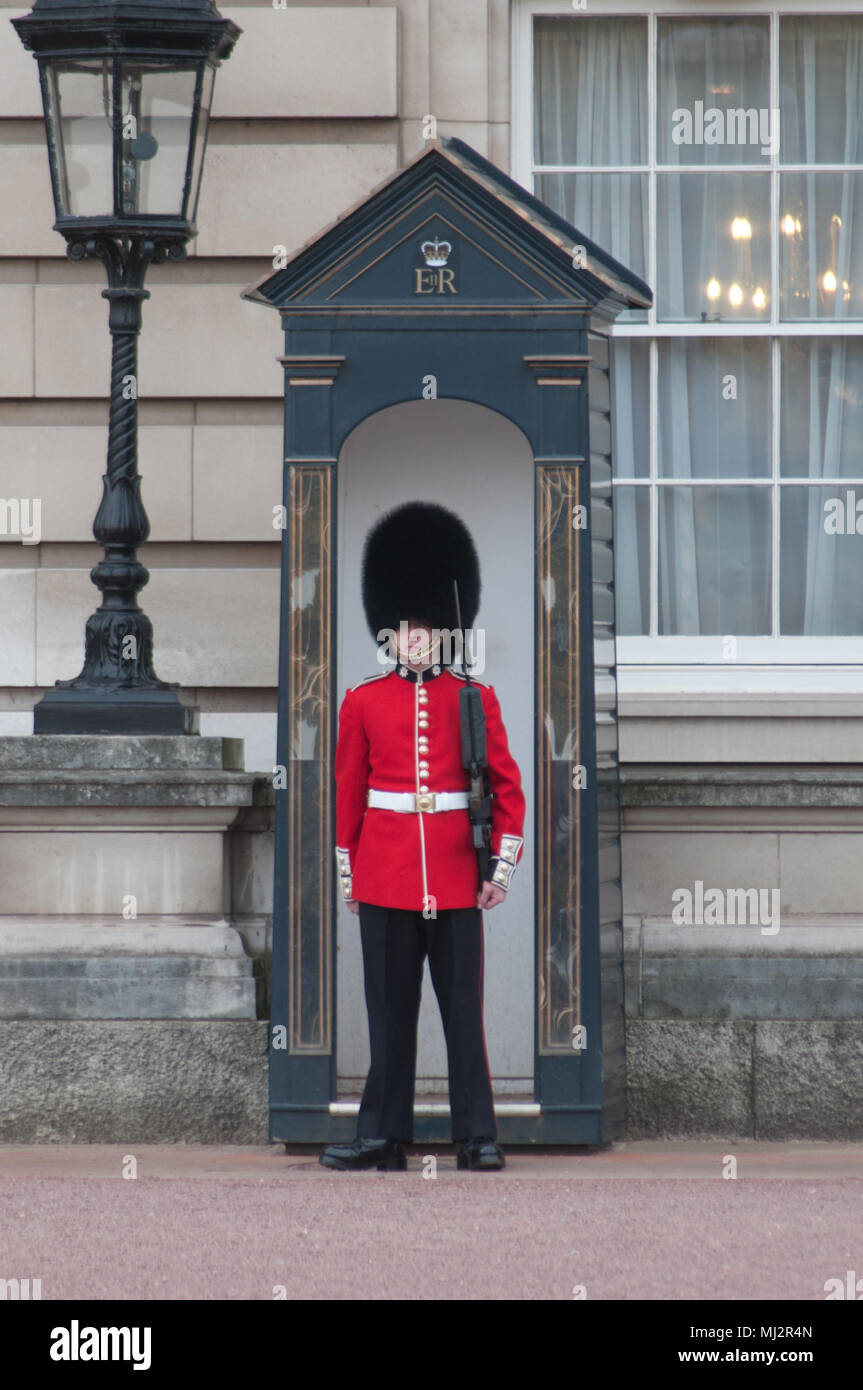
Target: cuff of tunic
343 864
506 860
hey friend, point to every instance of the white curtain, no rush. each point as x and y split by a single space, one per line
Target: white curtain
591 109
822 122
590 95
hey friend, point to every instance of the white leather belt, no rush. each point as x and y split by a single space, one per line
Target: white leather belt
418 801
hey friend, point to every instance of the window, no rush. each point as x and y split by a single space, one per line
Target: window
720 157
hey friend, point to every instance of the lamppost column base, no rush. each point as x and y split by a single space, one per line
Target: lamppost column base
112 712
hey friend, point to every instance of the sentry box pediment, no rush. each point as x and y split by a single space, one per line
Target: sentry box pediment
451 230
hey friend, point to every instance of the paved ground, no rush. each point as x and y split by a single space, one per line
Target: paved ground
641 1220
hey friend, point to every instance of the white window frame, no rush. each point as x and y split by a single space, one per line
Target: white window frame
765 658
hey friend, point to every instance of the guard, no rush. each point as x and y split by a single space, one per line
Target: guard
406 838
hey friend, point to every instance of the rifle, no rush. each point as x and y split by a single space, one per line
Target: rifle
474 759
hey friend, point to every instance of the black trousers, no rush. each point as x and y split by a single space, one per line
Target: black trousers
395 944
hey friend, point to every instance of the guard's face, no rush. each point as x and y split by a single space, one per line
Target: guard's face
417 641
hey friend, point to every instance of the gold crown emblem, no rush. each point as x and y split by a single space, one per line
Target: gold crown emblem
436 252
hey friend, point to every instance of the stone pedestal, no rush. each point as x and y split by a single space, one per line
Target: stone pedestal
135 910
742 1028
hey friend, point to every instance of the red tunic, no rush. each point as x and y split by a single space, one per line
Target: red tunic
398 734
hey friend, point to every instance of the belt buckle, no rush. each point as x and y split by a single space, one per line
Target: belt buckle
424 801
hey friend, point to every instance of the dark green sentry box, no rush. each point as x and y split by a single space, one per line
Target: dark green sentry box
453 268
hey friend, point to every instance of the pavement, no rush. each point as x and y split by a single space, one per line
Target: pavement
668 1220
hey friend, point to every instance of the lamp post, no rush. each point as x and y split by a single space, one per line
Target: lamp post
127 88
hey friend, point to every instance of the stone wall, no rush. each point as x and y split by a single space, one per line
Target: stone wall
745 1028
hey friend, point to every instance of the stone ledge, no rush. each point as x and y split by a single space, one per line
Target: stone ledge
101 752
83 969
741 786
804 971
98 787
139 987
264 791
92 936
752 988
803 703
835 936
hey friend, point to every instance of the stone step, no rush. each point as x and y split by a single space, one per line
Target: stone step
118 752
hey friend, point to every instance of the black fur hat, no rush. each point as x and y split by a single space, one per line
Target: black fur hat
410 559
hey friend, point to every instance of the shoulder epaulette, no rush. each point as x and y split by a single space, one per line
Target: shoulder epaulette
379 676
460 676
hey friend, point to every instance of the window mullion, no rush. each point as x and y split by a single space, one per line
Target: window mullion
651 162
774 451
653 421
774 172
774 319
654 491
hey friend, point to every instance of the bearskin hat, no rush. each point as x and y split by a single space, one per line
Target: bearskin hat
410 559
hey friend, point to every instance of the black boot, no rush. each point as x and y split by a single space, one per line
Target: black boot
387 1155
482 1153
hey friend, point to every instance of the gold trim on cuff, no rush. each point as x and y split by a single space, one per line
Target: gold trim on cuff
343 863
507 857
503 874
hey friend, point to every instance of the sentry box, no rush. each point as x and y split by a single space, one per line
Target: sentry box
448 339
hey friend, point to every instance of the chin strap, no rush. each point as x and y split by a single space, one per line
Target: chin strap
423 654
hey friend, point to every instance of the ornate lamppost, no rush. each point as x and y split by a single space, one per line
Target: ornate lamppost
127 88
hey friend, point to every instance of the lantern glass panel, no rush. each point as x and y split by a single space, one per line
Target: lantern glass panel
80 136
157 105
207 80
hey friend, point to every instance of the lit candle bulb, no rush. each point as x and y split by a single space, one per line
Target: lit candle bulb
735 296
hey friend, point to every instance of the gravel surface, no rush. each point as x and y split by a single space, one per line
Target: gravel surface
640 1221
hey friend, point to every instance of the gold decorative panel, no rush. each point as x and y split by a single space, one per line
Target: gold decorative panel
558 760
309 770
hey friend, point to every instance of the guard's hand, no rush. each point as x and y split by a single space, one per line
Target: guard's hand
354 907
490 896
